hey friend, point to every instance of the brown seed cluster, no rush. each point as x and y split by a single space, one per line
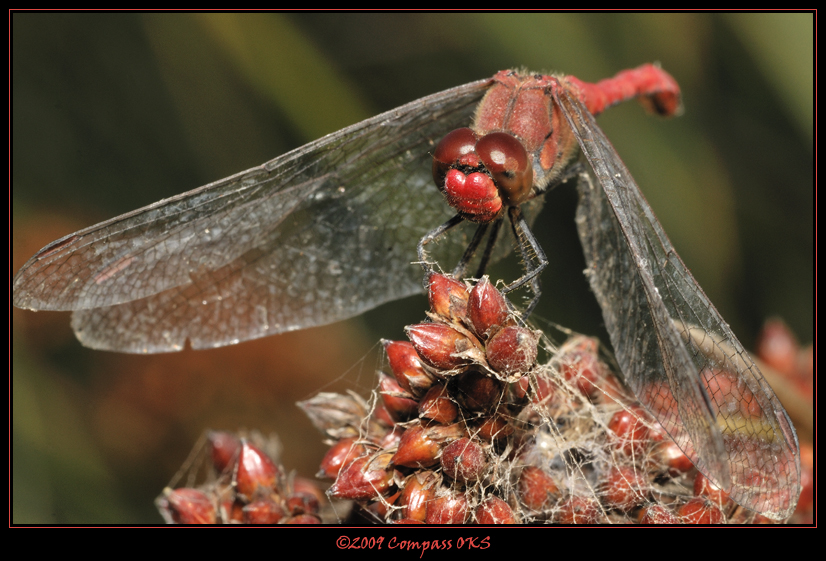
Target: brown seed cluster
244 486
470 429
466 427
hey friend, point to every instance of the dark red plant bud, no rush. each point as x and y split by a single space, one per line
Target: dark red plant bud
579 510
451 508
367 477
223 448
263 511
463 460
658 514
705 488
419 491
624 488
495 511
448 297
476 391
700 511
256 474
537 489
438 406
398 405
488 309
407 367
512 350
438 344
188 506
631 431
340 454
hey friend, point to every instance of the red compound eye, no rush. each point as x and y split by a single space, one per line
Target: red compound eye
457 147
507 161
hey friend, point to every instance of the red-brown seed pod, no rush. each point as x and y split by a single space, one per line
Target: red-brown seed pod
416 449
398 405
257 474
658 514
578 510
487 309
263 511
438 344
537 489
447 296
420 445
451 508
302 503
705 488
464 461
407 521
382 416
367 477
438 406
493 427
223 448
309 487
512 350
700 511
544 389
578 362
667 455
624 488
476 391
407 367
495 511
419 491
631 432
188 506
233 511
338 455
391 438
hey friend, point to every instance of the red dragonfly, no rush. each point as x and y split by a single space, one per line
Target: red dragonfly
327 231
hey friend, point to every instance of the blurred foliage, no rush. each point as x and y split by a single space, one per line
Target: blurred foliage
114 111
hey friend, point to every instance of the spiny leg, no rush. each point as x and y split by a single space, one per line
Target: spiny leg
532 256
494 233
461 266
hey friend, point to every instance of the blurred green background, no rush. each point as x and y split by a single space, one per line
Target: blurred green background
111 112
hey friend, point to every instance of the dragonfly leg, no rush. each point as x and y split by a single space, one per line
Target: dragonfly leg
494 233
461 266
532 256
435 234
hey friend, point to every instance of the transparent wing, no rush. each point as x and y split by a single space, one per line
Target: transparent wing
677 354
319 234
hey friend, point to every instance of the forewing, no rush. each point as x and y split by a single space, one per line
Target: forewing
676 352
319 234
